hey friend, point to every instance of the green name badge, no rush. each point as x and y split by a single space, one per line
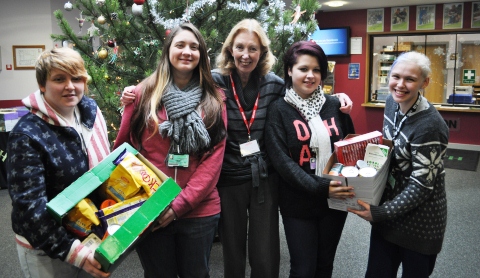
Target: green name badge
177 160
391 180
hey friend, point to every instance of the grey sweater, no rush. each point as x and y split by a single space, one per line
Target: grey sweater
413 213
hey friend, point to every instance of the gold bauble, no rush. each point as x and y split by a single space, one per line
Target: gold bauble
101 20
102 54
107 77
89 79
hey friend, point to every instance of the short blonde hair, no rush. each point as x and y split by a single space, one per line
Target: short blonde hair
417 58
63 58
225 62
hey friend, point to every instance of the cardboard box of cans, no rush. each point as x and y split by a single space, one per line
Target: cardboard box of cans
116 247
367 189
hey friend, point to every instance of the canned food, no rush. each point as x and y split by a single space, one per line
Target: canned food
336 169
361 164
111 229
367 172
350 171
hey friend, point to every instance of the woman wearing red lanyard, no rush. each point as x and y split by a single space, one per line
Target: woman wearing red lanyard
248 184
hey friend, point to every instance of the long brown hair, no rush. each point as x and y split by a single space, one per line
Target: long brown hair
145 115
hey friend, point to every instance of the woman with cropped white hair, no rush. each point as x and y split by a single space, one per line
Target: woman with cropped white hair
408 226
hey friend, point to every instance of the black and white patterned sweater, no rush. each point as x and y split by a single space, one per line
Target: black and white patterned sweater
413 213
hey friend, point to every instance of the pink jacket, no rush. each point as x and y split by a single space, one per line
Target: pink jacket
199 196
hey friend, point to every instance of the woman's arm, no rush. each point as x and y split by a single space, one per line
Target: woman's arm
30 218
427 165
28 191
128 97
124 131
346 104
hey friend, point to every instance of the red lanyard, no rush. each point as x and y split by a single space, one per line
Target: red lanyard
255 107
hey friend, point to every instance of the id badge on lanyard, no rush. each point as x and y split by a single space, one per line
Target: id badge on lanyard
177 159
249 148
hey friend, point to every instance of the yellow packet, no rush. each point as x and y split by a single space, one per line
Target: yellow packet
81 218
120 212
125 204
129 176
121 185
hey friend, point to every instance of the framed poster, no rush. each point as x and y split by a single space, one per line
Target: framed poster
25 56
425 17
400 19
453 16
475 15
375 20
354 71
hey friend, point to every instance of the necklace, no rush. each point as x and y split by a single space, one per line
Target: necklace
397 129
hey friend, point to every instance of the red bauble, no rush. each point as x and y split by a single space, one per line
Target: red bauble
139 2
167 32
111 43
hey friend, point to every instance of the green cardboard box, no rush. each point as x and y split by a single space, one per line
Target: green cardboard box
116 247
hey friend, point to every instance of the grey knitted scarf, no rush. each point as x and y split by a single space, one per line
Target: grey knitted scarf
184 126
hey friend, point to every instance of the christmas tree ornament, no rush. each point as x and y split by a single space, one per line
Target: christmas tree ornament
101 19
103 53
296 15
114 16
89 79
137 9
139 2
106 77
137 51
100 2
111 43
68 6
167 32
115 53
81 20
93 30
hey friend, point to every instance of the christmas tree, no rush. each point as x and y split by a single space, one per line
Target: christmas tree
124 38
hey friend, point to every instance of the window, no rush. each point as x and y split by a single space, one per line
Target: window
455 58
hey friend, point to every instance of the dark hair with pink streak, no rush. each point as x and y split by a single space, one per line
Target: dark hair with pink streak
304 48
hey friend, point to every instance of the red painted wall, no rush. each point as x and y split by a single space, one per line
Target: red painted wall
10 103
367 119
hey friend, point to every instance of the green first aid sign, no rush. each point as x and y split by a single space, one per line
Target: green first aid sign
469 76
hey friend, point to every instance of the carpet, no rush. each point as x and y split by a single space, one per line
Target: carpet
461 159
